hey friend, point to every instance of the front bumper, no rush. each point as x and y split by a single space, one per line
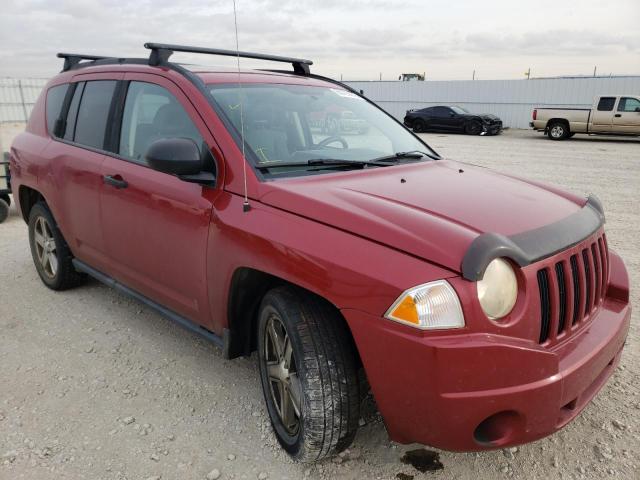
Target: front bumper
492 129
480 391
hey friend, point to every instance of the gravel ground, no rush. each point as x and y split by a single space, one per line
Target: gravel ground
94 385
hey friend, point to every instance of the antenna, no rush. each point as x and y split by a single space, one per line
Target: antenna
245 205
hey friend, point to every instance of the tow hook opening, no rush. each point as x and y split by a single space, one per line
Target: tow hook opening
498 429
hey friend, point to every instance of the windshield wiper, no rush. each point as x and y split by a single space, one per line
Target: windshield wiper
396 157
320 162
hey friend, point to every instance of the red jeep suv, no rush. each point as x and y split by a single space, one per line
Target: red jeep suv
482 310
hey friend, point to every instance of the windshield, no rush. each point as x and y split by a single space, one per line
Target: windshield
459 110
302 125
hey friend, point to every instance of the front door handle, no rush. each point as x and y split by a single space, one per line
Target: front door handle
116 181
618 115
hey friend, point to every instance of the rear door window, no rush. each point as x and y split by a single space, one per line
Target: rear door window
606 104
55 101
93 113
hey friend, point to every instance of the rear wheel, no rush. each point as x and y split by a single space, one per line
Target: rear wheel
50 251
308 369
419 126
4 210
558 131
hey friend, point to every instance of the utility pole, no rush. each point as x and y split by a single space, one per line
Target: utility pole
473 77
528 73
380 76
594 70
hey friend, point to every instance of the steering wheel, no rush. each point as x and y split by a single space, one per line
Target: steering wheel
334 138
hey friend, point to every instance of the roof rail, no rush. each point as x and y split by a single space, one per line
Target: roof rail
73 59
160 53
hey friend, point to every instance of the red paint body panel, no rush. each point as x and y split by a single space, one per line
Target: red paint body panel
358 239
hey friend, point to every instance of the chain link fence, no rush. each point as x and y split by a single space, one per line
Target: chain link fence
17 98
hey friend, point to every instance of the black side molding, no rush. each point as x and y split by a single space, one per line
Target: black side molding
529 247
165 312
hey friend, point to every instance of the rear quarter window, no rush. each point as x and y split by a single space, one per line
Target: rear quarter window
606 104
55 100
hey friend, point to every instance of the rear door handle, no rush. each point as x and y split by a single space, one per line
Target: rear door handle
618 115
116 181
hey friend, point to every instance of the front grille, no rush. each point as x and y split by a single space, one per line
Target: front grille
572 288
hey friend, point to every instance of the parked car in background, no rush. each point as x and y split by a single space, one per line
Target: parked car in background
344 122
482 310
610 115
452 119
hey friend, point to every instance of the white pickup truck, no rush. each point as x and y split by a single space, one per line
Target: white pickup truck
610 115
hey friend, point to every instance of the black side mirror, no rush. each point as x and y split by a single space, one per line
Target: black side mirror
178 156
452 114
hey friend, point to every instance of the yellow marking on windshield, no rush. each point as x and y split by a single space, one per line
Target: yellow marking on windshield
260 152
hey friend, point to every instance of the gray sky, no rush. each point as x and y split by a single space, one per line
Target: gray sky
359 39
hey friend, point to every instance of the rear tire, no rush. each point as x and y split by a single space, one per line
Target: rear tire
4 210
50 252
314 381
419 126
558 131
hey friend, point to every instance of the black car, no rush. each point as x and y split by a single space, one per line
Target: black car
452 119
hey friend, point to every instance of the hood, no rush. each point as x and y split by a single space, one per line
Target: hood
432 210
487 116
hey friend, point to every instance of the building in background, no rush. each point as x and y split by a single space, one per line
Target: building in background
512 100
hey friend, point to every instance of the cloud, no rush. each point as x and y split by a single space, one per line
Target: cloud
351 36
552 42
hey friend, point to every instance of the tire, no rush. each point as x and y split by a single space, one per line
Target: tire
321 374
50 252
558 131
473 128
419 126
6 198
4 210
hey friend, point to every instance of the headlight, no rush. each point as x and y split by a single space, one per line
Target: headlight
498 289
433 305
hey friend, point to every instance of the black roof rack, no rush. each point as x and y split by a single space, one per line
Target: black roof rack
73 59
160 53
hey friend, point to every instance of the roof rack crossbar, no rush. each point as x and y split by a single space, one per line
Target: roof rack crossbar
72 59
160 53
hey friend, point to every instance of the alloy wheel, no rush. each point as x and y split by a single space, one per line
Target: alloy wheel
557 131
45 247
284 382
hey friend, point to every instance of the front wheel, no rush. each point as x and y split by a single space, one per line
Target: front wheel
308 369
473 128
4 210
